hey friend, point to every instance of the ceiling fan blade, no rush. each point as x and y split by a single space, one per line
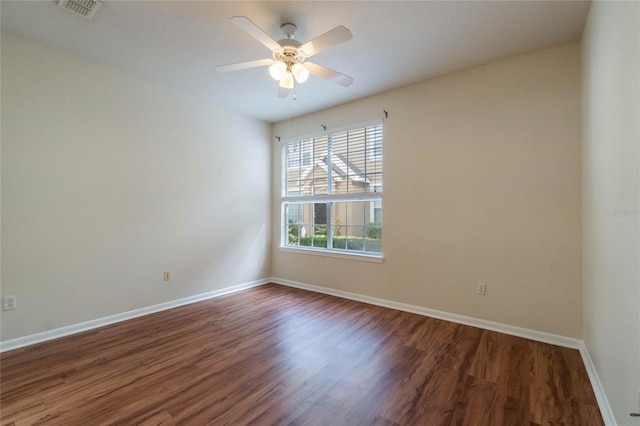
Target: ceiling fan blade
329 74
255 31
244 65
329 39
283 92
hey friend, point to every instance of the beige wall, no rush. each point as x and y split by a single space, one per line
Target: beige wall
109 180
482 184
611 252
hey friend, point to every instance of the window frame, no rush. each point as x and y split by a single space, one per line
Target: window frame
330 198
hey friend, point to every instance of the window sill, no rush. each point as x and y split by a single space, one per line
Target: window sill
336 254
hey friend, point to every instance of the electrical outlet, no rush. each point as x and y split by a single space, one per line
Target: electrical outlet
167 276
10 303
481 289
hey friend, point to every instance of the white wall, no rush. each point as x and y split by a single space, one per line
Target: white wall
611 200
109 180
482 183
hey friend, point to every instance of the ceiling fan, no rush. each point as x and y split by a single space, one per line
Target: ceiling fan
289 56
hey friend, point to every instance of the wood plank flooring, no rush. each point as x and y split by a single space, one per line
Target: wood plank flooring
274 355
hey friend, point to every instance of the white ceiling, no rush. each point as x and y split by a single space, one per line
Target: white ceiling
395 43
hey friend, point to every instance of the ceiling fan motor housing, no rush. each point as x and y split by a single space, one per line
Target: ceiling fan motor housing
289 53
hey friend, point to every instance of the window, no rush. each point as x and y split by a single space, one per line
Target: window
332 191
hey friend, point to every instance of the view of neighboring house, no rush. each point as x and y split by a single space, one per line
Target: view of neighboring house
338 180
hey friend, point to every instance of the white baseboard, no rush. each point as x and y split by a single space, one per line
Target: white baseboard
598 390
554 339
539 336
44 336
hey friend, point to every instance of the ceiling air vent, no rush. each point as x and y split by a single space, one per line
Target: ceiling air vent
84 8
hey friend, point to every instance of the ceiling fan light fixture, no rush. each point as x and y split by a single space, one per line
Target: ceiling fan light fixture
287 81
278 70
300 72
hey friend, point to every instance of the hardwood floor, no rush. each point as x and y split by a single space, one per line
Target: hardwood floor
274 355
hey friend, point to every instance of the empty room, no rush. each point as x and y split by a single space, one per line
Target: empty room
320 213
